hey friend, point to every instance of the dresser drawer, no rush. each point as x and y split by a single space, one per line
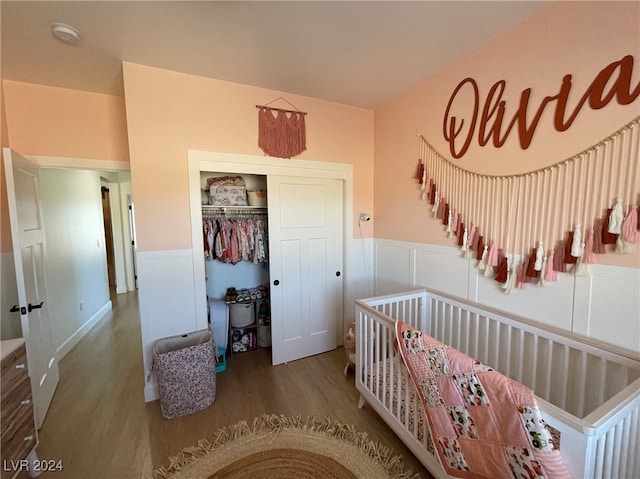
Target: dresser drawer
13 369
15 400
18 436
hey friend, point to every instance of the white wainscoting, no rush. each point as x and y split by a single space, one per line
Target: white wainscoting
167 299
605 305
358 274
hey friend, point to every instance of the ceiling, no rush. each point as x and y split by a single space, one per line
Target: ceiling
361 53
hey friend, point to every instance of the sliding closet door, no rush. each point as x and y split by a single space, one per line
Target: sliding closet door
305 254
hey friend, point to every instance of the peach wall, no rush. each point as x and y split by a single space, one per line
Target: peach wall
563 38
51 121
169 113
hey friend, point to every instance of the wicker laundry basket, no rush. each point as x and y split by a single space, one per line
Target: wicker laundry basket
184 366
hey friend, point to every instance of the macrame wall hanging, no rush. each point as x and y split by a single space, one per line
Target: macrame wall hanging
526 228
281 132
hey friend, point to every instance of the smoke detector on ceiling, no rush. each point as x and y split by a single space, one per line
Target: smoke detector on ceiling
65 33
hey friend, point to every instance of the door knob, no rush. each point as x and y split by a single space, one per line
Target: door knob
32 307
276 282
14 309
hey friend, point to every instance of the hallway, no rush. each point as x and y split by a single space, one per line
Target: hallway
97 423
100 427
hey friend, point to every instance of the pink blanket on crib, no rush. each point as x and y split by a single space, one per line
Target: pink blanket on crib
484 425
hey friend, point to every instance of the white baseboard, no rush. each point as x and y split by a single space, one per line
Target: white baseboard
82 331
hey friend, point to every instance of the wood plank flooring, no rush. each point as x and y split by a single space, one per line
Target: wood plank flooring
100 427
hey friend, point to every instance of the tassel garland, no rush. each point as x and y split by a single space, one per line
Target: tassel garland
533 208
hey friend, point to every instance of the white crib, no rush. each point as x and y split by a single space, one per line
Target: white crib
589 393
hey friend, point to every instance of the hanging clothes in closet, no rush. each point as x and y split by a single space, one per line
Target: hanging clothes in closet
231 239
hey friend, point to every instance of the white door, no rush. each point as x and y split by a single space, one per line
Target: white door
27 235
305 265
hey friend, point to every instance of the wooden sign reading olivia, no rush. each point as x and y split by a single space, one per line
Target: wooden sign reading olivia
601 91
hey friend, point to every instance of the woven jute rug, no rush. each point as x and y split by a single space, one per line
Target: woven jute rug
279 447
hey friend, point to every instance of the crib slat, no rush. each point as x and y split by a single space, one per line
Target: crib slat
598 469
507 367
617 447
534 363
582 378
520 356
624 452
565 370
608 457
547 377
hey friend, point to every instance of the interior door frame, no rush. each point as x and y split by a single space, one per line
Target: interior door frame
124 263
199 160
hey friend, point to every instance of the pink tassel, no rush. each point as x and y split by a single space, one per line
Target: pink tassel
492 260
475 243
454 222
558 260
522 272
629 231
445 214
550 274
598 246
589 256
441 207
472 236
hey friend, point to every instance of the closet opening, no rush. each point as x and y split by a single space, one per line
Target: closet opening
235 238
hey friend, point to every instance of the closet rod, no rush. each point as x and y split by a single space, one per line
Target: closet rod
233 210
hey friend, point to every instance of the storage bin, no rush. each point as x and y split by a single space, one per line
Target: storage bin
264 336
221 362
227 191
243 340
241 314
184 367
257 198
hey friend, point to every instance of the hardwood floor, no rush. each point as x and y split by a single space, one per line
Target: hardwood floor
100 427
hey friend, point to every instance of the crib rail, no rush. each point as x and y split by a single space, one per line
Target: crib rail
590 394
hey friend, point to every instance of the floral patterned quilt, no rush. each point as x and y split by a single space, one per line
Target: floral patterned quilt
484 425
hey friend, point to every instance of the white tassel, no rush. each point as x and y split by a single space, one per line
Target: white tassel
621 245
615 219
482 264
450 225
582 268
542 271
488 271
510 284
465 243
436 204
539 255
577 246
